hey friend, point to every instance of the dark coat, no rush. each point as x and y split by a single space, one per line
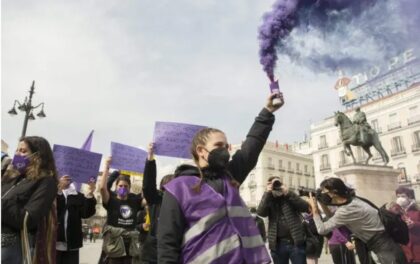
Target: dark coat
78 207
172 224
154 201
21 195
290 205
412 249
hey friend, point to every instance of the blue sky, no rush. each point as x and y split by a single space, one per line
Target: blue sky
119 66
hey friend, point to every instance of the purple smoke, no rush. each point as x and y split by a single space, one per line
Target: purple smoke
324 35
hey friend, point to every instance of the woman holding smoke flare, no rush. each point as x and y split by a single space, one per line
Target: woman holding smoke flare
28 190
202 218
120 237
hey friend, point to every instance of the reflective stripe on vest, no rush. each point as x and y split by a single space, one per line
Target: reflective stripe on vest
217 250
206 222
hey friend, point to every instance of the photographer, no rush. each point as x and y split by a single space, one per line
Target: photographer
358 216
286 235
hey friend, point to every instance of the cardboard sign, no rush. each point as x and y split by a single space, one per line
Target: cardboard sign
80 165
174 139
127 158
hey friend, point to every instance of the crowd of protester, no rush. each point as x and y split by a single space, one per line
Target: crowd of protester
196 214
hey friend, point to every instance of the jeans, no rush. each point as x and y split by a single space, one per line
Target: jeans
12 254
285 251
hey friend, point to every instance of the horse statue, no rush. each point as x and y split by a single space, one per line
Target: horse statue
350 134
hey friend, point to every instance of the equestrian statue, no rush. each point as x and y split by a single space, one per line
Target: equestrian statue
359 133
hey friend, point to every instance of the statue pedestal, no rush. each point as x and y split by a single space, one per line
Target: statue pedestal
376 183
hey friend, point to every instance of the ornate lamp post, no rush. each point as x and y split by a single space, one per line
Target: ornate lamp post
28 108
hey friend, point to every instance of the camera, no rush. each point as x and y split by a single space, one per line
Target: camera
306 191
277 185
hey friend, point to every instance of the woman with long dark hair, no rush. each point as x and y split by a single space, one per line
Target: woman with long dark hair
361 218
28 190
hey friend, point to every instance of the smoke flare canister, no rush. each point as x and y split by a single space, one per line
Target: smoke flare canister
274 87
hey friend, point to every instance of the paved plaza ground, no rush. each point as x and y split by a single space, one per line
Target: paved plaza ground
90 252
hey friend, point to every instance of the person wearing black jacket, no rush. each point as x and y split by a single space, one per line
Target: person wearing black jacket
28 190
153 197
172 224
72 206
286 233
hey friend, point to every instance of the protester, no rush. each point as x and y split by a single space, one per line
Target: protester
313 241
120 237
28 191
202 218
5 162
72 206
341 246
260 223
154 201
358 216
411 215
286 233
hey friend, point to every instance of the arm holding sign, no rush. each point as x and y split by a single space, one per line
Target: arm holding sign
150 191
104 178
245 159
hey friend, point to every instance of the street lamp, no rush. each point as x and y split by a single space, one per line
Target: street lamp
28 108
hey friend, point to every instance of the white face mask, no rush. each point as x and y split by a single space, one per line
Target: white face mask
403 202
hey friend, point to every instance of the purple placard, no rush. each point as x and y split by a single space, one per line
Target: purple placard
80 165
174 139
127 158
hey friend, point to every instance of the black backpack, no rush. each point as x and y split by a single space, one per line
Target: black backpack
394 225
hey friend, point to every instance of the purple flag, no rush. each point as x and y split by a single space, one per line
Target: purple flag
127 158
88 142
79 164
174 139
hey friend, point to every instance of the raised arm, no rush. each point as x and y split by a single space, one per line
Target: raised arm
104 178
150 191
245 159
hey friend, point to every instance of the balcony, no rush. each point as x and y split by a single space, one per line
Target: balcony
290 170
413 120
394 126
325 167
282 169
322 146
415 148
270 167
398 152
299 172
307 174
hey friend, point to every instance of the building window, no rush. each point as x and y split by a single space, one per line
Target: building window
397 146
375 126
298 168
280 165
414 116
393 122
343 160
416 141
325 163
289 166
306 168
322 142
270 163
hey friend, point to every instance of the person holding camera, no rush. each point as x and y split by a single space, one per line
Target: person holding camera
359 217
286 234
